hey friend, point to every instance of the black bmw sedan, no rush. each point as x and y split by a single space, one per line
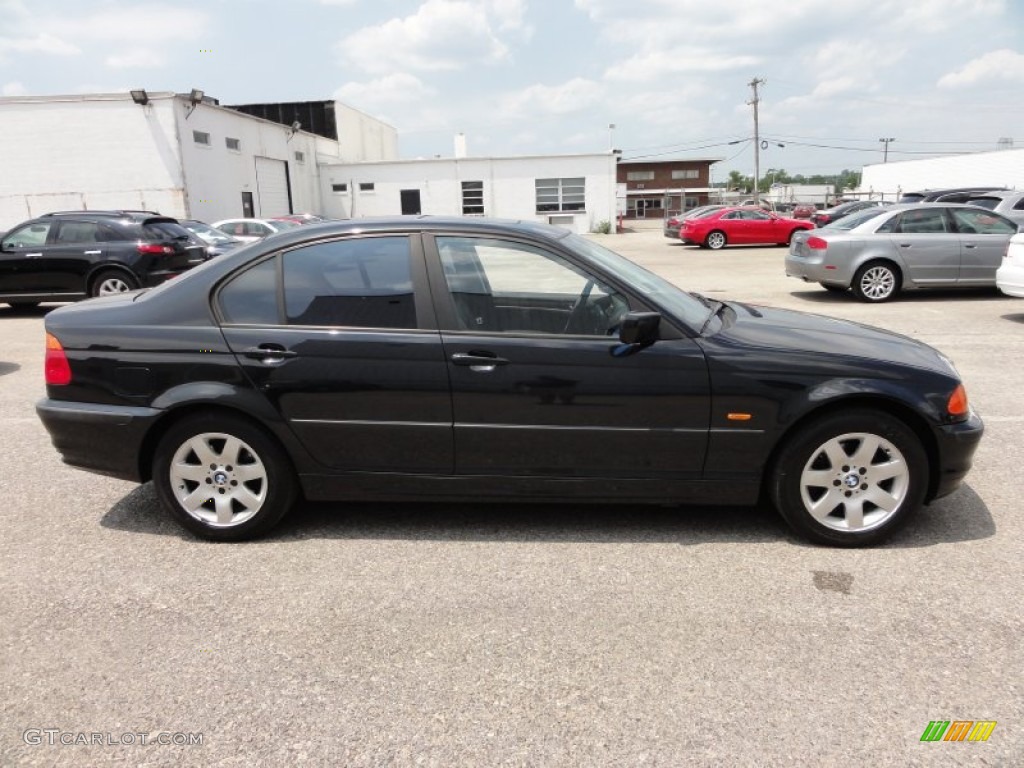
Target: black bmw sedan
450 359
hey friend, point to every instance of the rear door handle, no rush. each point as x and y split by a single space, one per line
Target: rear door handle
478 361
33 255
93 253
269 353
970 245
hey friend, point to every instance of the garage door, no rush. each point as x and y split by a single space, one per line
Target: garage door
272 187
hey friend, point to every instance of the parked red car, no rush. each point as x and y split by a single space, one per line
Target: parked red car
740 226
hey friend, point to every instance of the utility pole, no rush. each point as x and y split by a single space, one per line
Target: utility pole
757 139
885 155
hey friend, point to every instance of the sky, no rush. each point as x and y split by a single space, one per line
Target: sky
521 77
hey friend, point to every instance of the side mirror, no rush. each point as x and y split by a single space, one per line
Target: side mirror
639 328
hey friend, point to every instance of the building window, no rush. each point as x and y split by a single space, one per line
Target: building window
640 176
201 137
560 194
233 144
300 157
366 186
472 198
687 173
341 189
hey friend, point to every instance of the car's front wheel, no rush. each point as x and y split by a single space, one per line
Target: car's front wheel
715 240
222 477
877 281
849 479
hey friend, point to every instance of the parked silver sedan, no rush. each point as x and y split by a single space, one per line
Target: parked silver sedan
877 254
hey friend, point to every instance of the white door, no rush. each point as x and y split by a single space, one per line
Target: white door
272 187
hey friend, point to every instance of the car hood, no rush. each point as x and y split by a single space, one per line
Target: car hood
788 331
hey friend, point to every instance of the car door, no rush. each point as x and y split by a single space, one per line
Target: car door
761 227
924 241
23 253
983 239
77 245
540 387
340 337
735 226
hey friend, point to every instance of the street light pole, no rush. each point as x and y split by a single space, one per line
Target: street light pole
885 154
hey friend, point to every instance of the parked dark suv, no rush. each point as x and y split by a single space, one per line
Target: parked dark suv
71 255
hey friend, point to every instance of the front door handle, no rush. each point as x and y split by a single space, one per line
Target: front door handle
93 253
33 255
970 245
481 362
269 353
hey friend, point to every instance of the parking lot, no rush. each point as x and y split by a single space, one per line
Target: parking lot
485 635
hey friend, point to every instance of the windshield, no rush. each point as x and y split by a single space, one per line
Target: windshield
207 233
854 219
673 299
280 224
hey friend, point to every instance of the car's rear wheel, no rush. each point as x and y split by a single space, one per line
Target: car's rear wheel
849 479
715 240
111 282
222 477
877 281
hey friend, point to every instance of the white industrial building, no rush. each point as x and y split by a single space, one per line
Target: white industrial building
887 181
187 156
573 191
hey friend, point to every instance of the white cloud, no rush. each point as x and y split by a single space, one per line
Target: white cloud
573 96
397 88
41 43
13 89
130 23
135 58
654 65
443 35
1003 64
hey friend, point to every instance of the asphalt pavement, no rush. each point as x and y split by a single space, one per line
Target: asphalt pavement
492 635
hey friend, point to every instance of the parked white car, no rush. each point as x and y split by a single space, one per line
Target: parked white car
1010 275
251 230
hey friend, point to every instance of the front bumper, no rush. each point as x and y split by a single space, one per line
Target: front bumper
956 444
106 439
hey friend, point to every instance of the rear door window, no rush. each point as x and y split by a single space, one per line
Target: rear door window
361 282
922 222
71 232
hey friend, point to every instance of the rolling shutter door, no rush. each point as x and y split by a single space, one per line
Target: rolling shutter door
272 187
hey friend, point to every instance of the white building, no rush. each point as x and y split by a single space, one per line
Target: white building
573 191
887 181
185 155
180 154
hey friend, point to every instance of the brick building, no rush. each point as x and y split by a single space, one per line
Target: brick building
656 188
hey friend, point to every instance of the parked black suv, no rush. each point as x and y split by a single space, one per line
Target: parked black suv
71 255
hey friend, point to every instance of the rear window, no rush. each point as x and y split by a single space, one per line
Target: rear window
155 231
854 220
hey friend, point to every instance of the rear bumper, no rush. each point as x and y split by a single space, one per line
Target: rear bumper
105 439
956 444
1010 279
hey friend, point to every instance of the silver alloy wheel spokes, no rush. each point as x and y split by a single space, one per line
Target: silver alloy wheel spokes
716 240
854 482
112 285
218 479
878 283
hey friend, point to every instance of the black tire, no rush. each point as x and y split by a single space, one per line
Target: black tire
877 281
715 240
252 482
112 281
894 473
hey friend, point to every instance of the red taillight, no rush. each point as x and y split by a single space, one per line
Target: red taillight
57 368
159 250
957 404
817 243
